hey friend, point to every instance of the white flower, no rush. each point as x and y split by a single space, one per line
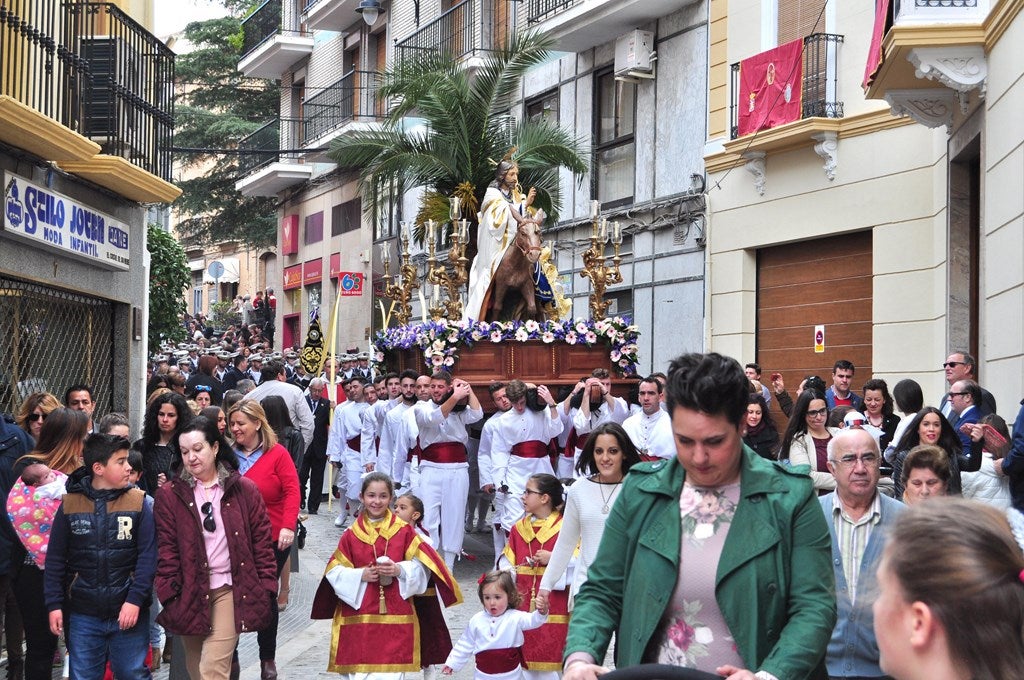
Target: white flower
522 335
495 336
632 329
611 334
703 531
581 326
531 326
437 360
548 337
591 337
601 326
615 355
449 361
702 634
476 335
438 344
570 338
379 357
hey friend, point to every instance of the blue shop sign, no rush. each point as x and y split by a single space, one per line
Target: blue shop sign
47 219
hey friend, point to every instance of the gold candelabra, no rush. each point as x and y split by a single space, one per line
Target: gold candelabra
438 274
595 265
401 290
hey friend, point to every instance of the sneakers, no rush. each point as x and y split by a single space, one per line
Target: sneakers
339 521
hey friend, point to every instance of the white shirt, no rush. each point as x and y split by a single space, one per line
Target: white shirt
486 460
298 408
346 425
434 427
584 423
652 435
484 632
514 428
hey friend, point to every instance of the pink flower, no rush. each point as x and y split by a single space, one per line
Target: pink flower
591 337
495 336
548 337
681 634
570 337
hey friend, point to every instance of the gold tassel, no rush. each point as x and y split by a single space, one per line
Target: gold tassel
533 598
383 607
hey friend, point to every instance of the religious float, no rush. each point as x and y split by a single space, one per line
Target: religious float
467 335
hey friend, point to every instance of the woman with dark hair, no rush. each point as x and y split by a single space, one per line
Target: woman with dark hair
805 441
165 415
215 568
878 408
760 433
216 414
929 426
34 410
158 381
59 446
270 466
951 601
204 377
289 437
607 456
909 400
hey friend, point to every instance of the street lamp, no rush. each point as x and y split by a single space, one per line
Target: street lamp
370 10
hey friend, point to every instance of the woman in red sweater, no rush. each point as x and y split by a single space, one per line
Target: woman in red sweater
269 465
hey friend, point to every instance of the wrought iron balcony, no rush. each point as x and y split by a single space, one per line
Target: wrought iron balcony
353 98
820 80
468 29
261 26
539 10
271 159
95 70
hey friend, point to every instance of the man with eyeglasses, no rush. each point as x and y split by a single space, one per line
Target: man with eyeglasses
858 518
960 366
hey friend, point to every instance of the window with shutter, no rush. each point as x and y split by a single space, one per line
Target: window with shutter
800 18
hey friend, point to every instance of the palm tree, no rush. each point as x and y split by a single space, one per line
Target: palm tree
467 128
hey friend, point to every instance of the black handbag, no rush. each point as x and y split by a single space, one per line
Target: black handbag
300 536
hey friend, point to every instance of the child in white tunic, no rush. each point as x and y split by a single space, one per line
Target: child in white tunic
495 635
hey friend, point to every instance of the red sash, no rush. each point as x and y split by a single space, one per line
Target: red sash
444 452
494 661
414 451
581 441
530 449
354 443
570 443
647 458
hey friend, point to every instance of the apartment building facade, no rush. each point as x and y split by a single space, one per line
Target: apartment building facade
86 126
879 225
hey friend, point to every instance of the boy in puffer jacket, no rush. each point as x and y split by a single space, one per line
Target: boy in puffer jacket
100 564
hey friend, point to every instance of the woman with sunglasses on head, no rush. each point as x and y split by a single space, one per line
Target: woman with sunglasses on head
33 412
805 441
216 572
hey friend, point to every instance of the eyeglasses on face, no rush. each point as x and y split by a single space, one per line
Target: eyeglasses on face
208 523
868 459
817 413
527 492
33 417
958 394
951 364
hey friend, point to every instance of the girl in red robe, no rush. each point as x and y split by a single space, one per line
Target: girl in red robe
529 548
367 588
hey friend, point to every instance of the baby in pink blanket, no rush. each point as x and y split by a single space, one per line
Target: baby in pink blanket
31 505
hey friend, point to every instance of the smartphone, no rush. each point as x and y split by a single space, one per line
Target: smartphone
776 376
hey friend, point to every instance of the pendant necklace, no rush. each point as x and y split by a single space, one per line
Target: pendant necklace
611 497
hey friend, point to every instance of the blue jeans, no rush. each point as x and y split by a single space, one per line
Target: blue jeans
93 641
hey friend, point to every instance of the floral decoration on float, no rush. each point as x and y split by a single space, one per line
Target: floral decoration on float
440 341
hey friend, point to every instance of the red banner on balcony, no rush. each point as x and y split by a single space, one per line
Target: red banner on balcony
770 88
877 35
289 234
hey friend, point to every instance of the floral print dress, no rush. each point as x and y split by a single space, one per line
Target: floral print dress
692 633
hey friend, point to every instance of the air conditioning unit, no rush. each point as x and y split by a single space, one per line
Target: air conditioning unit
634 54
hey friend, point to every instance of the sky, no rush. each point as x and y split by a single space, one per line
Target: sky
171 16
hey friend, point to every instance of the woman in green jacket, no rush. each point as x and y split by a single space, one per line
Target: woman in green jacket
718 560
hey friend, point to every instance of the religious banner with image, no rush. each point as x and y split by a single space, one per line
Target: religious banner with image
770 88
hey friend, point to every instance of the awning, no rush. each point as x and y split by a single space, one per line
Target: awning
230 274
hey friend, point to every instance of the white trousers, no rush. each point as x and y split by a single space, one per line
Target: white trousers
444 488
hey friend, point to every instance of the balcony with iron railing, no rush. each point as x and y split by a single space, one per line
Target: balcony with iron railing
270 158
83 84
577 25
350 103
470 29
330 15
819 86
931 57
269 47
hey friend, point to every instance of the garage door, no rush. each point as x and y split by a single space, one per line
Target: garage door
802 285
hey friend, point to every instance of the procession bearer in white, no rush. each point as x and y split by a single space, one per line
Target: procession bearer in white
443 465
